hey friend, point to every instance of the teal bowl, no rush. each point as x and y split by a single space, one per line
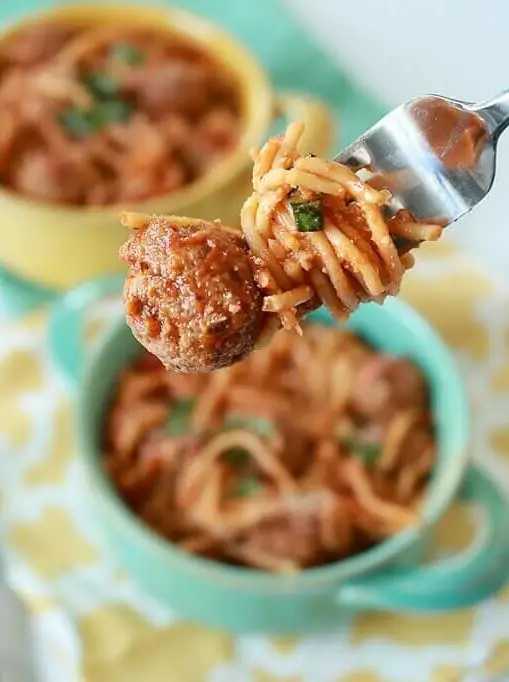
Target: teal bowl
387 577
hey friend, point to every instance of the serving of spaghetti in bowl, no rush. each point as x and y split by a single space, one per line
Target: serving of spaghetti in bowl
310 451
282 492
110 105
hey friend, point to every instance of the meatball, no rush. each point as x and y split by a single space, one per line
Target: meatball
190 294
36 43
289 538
40 175
385 384
178 87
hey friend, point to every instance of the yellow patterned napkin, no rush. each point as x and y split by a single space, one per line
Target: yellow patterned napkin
99 628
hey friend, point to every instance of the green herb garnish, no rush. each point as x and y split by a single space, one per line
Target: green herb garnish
127 53
101 85
178 422
368 453
78 122
245 487
84 122
308 215
113 111
262 427
237 457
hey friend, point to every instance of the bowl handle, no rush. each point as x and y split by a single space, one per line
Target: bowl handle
454 583
66 323
314 113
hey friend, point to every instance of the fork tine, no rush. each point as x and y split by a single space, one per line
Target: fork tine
435 155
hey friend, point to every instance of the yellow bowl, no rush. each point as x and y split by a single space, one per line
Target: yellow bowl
58 246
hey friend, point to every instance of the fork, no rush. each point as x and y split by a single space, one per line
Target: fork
437 156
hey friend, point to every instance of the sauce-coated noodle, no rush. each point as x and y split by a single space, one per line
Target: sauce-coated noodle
351 257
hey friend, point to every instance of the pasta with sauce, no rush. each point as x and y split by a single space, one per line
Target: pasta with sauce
319 233
101 115
309 451
314 232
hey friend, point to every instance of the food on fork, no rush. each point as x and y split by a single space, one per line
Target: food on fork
190 296
315 233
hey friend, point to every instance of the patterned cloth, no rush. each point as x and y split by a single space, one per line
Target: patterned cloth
93 625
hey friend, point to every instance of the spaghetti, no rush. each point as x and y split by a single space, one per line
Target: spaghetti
310 450
102 115
314 233
346 249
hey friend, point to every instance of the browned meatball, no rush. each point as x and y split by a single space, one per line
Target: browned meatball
385 384
176 86
40 175
287 538
190 295
36 43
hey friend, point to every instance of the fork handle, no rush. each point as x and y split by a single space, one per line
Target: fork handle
495 112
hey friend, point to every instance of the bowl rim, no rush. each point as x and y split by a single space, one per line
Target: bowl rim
239 577
253 81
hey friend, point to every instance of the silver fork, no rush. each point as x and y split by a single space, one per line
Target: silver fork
436 155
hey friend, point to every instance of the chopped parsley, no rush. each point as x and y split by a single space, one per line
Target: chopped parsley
178 422
368 453
237 457
127 53
77 122
113 111
246 487
80 122
106 108
100 84
308 215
